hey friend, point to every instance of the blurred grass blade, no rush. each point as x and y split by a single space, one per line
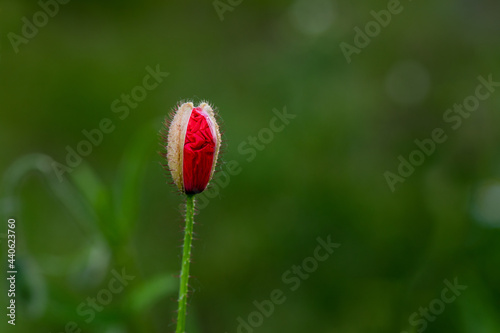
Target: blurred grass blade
130 174
99 198
152 290
64 190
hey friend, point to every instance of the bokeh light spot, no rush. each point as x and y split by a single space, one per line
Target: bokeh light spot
312 17
407 83
486 204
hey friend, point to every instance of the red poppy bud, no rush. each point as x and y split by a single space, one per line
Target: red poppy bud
193 147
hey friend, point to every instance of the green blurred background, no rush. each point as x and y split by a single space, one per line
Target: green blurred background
322 175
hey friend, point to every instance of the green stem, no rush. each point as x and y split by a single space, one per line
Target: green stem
186 258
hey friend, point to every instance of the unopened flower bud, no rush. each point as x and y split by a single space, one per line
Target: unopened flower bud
192 145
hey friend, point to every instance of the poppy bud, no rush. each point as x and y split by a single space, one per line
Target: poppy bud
193 144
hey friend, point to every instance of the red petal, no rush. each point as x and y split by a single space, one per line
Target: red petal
199 149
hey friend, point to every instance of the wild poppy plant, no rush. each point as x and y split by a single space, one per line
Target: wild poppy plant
192 147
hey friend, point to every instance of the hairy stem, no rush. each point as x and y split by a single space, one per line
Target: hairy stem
186 258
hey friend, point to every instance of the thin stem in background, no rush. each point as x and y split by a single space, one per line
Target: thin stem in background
186 258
